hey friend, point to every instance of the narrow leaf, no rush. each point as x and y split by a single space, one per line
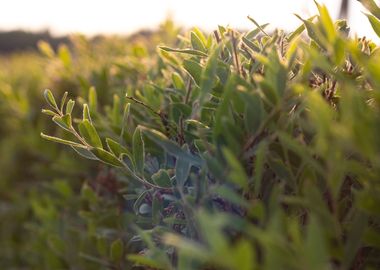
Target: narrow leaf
86 113
62 141
375 23
197 43
70 106
92 99
182 169
138 151
106 157
116 148
117 250
84 152
63 100
194 69
88 131
177 81
257 25
50 99
49 112
185 51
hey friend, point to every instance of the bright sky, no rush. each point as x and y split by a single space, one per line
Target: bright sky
125 16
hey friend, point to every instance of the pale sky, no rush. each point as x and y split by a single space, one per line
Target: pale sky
125 16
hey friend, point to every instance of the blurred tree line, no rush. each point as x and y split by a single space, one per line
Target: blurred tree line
19 40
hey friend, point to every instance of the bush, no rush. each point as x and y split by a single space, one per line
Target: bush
40 201
238 151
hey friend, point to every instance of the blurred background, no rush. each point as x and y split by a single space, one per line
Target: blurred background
123 16
71 46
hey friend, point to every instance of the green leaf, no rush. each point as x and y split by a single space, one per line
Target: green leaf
201 36
62 141
315 246
127 160
177 81
371 6
125 119
70 106
197 43
375 23
223 108
222 30
253 113
180 109
138 151
185 51
356 230
194 69
327 22
49 112
257 25
171 147
116 119
101 246
208 76
92 99
254 47
252 34
84 153
50 99
63 121
88 193
313 31
86 113
296 32
182 169
237 173
162 179
116 148
106 157
64 55
276 74
117 250
88 132
172 59
63 100
196 123
259 166
243 255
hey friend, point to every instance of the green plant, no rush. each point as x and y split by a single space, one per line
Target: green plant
246 151
42 209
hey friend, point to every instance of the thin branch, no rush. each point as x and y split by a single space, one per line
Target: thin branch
234 47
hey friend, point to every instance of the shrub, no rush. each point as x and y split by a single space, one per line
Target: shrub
40 203
244 151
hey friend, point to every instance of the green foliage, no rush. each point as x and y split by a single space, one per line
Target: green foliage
47 222
231 150
263 152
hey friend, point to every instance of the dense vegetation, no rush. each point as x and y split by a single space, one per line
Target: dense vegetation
230 150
